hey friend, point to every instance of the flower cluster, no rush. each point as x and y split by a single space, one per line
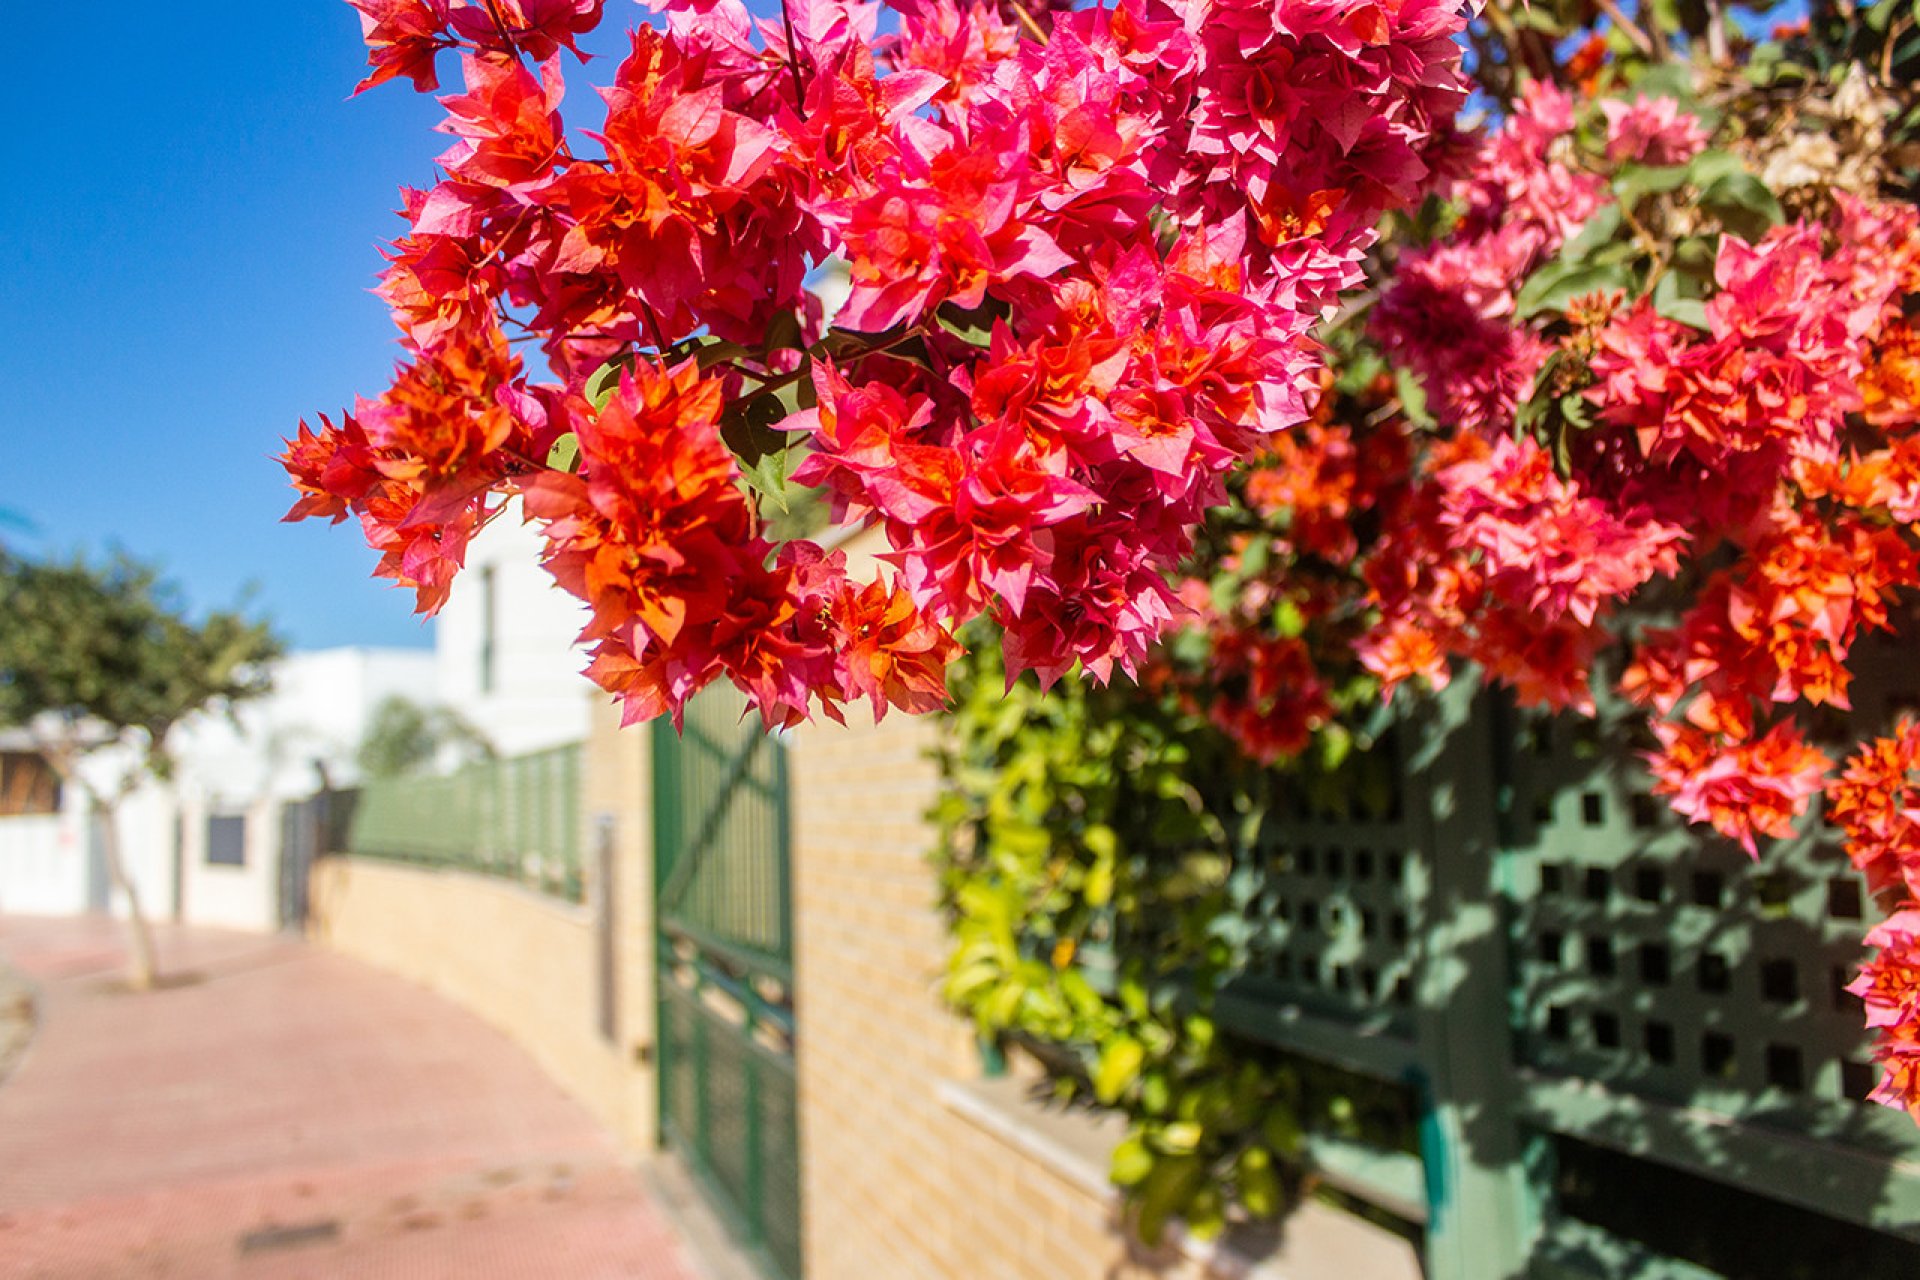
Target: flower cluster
1653 444
1084 251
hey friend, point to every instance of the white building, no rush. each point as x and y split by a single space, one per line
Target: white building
504 645
203 846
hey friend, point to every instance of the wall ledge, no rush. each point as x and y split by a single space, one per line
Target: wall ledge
572 912
1075 1143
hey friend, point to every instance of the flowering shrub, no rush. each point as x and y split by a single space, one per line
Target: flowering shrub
1624 387
1628 416
1644 418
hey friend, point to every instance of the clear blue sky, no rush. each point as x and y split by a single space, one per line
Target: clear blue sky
189 219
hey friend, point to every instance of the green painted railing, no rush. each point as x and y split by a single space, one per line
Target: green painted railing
1623 1047
517 817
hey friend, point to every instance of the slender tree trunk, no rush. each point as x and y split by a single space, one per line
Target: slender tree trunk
142 970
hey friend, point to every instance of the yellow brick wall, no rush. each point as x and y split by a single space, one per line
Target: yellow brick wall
618 802
897 1184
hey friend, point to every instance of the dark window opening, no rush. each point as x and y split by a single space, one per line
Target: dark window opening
1684 1216
1780 981
1716 977
226 841
489 636
1784 1069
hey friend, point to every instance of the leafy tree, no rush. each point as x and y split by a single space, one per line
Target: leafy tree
404 737
95 656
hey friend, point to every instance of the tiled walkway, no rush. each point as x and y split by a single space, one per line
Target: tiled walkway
280 1112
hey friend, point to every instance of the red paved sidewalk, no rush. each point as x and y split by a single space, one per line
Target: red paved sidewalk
287 1112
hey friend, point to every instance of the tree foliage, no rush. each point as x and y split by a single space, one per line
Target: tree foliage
1083 264
1210 342
405 737
111 649
107 655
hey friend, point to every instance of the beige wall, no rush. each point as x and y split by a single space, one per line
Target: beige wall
525 962
898 1180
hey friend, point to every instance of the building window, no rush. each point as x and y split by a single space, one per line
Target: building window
489 611
28 785
227 840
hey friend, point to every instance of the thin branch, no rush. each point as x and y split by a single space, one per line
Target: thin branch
1719 49
500 25
1894 32
1633 30
1026 20
793 62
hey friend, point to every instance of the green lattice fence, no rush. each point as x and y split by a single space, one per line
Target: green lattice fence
518 817
1622 1048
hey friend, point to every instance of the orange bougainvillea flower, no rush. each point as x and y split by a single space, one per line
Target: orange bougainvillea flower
1742 789
1889 983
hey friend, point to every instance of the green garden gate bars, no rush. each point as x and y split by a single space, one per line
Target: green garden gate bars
723 903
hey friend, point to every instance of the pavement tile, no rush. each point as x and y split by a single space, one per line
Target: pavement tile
282 1112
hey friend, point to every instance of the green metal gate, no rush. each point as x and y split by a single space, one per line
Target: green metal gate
724 908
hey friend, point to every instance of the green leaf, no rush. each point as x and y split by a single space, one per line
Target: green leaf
1743 204
1132 1162
565 452
709 354
1413 399
1594 232
768 479
748 428
1336 744
1713 164
1666 79
605 381
1120 1062
1180 1138
1205 1214
1259 1184
1555 285
1281 1130
1671 301
1637 181
1164 1193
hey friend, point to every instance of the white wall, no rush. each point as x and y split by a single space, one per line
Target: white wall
272 751
43 865
537 697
